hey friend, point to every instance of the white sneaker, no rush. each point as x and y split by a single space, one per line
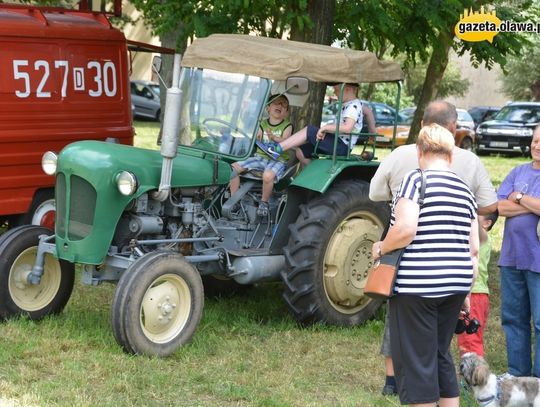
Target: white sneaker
263 209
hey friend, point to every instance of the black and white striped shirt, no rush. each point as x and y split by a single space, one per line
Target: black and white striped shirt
438 261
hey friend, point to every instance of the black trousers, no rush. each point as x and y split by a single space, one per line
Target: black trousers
422 330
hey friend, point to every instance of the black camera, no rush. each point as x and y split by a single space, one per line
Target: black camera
466 324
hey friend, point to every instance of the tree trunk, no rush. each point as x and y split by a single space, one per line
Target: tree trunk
435 71
321 13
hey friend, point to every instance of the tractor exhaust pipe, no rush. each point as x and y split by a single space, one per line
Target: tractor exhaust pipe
169 140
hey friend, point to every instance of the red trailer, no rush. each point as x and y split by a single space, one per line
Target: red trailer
64 77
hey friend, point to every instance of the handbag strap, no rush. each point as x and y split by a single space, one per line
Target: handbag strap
423 183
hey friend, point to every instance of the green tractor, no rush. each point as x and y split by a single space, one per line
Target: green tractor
164 225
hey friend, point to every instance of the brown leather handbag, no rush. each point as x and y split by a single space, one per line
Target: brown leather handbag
382 276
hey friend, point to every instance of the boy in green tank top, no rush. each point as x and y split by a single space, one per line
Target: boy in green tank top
275 128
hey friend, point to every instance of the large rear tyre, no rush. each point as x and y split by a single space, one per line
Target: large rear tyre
329 256
157 305
18 250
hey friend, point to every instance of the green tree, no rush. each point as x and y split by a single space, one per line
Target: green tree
200 18
521 77
452 84
504 45
302 20
318 30
521 80
385 93
420 30
424 30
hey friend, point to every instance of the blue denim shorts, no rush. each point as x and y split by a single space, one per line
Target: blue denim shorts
325 146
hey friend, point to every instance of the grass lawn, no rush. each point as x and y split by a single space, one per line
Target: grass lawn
247 351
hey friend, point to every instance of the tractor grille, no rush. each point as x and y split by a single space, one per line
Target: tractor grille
60 191
82 206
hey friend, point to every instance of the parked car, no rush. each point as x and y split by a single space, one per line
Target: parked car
408 113
511 129
482 113
328 113
145 98
465 136
464 119
384 122
384 114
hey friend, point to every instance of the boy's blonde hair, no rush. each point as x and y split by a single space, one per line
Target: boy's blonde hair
435 139
275 98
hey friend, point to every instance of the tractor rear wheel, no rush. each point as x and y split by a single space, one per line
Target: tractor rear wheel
329 256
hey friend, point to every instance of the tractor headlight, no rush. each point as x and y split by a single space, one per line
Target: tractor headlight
127 183
48 163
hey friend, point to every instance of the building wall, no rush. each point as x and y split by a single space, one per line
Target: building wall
484 89
141 65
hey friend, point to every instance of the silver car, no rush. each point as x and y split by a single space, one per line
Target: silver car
145 99
465 119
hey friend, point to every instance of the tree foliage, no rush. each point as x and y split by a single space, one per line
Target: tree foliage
178 22
504 45
385 93
452 84
424 31
200 18
521 78
319 30
421 30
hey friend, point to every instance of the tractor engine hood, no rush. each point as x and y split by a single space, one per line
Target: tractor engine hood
88 199
96 161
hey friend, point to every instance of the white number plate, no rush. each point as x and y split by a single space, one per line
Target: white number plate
33 78
500 144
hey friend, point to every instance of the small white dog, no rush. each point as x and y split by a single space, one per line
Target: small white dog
493 391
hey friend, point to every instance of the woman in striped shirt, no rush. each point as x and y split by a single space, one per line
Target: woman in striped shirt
435 274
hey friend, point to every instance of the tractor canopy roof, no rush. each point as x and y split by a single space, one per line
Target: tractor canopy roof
280 59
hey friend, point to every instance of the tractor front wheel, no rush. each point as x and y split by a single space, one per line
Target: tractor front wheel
157 305
18 250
